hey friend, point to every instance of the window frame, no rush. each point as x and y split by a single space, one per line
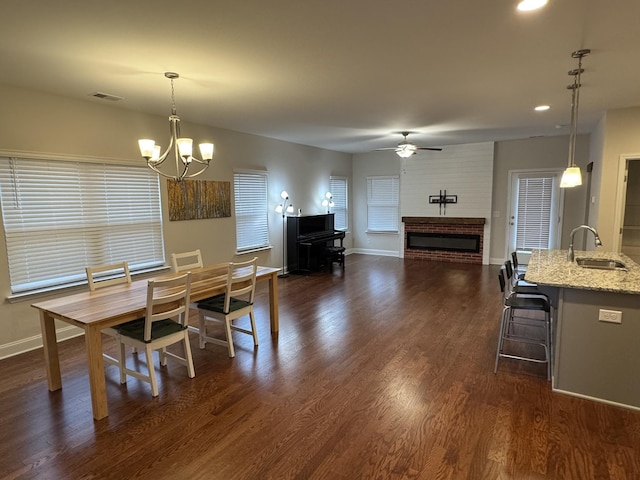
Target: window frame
261 202
340 199
384 202
92 210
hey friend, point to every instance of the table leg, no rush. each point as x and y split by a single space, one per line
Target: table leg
50 344
273 303
97 383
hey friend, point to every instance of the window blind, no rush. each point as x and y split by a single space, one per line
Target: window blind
382 204
338 189
534 213
61 216
250 194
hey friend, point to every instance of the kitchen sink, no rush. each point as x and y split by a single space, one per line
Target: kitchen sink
601 263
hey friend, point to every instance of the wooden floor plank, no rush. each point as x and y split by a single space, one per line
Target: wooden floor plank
383 370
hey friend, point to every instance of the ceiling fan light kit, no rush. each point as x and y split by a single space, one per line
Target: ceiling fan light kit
405 148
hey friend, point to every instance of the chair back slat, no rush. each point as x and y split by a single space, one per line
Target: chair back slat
241 281
182 262
167 299
105 275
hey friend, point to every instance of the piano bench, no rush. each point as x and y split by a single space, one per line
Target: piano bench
335 254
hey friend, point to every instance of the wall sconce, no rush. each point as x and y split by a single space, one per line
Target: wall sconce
284 208
328 202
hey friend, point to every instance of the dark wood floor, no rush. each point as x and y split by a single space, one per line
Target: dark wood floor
384 371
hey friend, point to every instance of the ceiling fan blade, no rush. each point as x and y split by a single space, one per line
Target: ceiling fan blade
430 148
388 148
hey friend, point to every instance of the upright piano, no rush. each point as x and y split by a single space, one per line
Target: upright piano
307 238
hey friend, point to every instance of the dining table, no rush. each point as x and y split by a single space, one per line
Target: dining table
111 306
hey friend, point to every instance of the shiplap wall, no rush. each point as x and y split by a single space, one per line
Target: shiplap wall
462 170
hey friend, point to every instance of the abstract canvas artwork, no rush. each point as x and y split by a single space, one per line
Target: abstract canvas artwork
198 199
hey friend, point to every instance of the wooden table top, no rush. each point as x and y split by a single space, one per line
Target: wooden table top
121 303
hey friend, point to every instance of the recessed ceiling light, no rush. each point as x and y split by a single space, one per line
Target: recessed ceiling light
542 108
528 5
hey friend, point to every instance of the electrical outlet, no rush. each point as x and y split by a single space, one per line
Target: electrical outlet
611 316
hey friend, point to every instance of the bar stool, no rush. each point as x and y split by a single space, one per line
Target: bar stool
516 328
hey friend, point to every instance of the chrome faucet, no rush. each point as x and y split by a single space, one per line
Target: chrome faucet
573 232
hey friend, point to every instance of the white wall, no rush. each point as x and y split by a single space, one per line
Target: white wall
462 170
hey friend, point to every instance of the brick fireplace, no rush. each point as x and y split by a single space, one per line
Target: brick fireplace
444 239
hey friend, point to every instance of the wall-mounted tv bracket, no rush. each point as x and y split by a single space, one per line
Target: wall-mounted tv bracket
442 201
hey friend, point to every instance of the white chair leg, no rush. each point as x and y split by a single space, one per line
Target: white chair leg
227 326
163 357
253 328
187 355
152 372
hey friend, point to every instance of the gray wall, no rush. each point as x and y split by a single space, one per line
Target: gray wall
47 124
532 153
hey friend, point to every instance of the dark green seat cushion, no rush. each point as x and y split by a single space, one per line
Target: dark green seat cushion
216 304
162 328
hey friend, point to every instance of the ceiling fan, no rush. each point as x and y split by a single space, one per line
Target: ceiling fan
405 148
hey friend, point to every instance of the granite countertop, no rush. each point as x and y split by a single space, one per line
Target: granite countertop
551 267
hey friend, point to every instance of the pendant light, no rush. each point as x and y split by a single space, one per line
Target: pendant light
572 176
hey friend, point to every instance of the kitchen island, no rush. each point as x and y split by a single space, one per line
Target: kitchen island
596 334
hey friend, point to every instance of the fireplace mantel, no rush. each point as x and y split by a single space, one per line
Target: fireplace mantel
445 220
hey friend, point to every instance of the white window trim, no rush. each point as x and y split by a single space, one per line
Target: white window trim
267 244
392 231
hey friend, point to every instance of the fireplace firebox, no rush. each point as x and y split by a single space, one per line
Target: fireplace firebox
451 242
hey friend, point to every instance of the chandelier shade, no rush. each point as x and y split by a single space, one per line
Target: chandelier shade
185 164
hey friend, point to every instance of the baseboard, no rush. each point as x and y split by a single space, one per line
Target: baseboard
32 343
384 253
595 399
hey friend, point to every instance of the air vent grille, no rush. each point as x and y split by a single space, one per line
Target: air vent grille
106 96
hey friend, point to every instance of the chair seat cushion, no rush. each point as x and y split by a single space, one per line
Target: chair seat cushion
528 303
162 328
216 304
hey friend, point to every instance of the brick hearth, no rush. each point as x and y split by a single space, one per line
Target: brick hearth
455 225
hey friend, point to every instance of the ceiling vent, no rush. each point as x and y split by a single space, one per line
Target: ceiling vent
106 96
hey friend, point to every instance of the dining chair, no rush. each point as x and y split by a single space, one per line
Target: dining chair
517 324
236 302
182 262
104 276
165 324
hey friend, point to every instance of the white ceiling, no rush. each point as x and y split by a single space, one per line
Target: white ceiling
337 74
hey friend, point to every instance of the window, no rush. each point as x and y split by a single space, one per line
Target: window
382 204
60 216
338 189
535 212
252 227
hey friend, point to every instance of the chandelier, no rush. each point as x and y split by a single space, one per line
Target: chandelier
572 176
186 165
